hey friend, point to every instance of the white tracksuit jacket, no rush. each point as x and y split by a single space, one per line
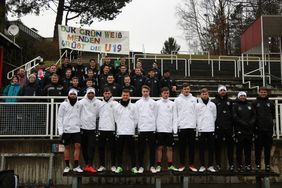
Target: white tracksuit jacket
146 109
206 116
68 119
125 118
185 111
166 116
106 116
89 112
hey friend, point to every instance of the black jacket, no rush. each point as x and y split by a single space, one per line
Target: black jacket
53 90
138 82
115 89
131 89
30 89
224 119
265 113
102 80
154 85
244 117
168 82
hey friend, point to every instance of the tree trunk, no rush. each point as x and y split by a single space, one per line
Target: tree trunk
59 18
2 15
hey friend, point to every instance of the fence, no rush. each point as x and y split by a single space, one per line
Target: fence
38 118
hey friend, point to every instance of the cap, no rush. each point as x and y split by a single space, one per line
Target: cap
221 88
72 91
90 89
242 93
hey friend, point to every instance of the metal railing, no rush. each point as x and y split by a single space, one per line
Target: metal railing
38 119
27 67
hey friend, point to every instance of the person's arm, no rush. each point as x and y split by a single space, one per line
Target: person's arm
5 91
60 119
175 126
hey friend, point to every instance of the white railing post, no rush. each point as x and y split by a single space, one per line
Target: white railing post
212 73
243 69
162 67
277 119
47 119
52 118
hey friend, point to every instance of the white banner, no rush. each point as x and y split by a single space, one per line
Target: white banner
115 42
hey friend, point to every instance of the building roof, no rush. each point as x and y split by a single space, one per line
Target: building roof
30 32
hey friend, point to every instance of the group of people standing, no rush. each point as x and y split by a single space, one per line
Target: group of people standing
218 123
116 75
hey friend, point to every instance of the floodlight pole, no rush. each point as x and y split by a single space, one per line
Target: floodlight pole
262 52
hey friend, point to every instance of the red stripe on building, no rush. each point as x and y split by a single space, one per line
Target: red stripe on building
251 37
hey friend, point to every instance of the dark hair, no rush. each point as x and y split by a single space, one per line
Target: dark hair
164 89
68 69
73 78
185 84
204 90
166 71
89 79
145 87
111 75
106 89
263 88
92 59
127 75
15 77
125 91
54 74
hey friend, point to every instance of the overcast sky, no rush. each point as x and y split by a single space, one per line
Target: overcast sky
149 22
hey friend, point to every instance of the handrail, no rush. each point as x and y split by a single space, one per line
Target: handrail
27 66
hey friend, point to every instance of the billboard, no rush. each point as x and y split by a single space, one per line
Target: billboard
91 40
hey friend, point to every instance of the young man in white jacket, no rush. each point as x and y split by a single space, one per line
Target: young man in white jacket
89 113
68 122
125 116
146 108
186 124
206 116
166 127
107 129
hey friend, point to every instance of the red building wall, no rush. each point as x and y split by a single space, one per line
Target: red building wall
251 37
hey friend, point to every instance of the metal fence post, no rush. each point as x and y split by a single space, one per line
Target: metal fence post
212 73
52 118
277 118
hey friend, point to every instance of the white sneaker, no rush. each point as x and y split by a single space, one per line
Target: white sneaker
67 169
140 170
153 170
181 168
101 168
211 169
77 169
202 169
113 168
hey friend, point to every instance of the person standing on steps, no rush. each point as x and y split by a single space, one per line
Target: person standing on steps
69 129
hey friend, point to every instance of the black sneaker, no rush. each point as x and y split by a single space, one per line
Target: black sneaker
218 167
231 168
257 167
240 168
248 168
267 168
